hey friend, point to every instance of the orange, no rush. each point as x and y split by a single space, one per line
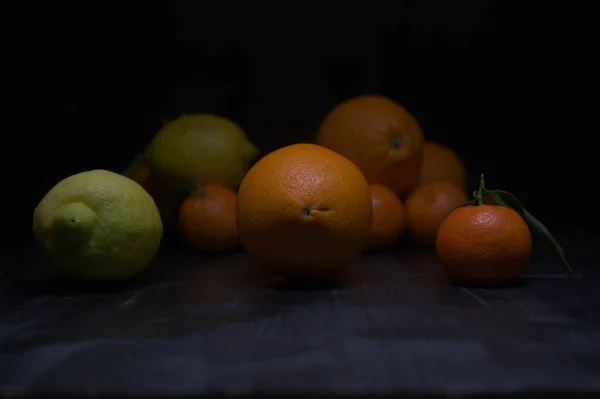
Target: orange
139 171
389 217
441 163
207 219
142 177
483 245
427 206
304 211
380 136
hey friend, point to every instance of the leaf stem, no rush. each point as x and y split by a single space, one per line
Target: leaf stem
479 193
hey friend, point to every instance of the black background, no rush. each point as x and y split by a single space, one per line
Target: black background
511 86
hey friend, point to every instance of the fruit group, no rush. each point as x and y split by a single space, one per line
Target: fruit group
207 219
206 147
98 226
389 217
427 206
441 163
483 245
380 136
304 211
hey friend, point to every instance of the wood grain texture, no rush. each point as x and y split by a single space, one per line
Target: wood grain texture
197 325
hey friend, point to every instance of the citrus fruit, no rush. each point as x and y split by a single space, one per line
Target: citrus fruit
427 206
389 217
206 147
441 163
483 244
139 171
98 226
207 219
142 177
304 211
380 136
167 202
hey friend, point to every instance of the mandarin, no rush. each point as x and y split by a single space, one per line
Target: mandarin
142 177
389 217
483 245
441 163
427 206
207 219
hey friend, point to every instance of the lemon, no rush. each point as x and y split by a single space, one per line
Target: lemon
209 148
97 226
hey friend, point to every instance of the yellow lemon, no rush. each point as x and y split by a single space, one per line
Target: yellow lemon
97 226
203 147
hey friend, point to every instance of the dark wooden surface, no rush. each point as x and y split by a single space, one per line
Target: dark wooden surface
393 324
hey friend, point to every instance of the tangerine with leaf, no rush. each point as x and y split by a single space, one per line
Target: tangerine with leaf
483 244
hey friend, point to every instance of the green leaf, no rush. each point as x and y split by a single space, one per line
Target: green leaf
506 199
498 199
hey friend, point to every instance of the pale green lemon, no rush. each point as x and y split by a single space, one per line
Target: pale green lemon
98 226
209 148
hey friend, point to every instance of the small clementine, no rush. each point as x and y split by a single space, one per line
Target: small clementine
427 206
487 244
207 219
142 177
304 211
441 163
380 136
483 245
389 217
139 171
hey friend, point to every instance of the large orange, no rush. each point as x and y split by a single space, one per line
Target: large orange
389 217
441 163
427 206
380 136
483 245
303 211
